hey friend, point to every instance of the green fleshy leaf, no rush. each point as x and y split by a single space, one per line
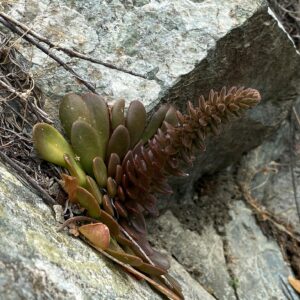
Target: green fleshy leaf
155 123
100 117
50 144
86 144
100 171
88 201
75 169
96 233
92 187
111 187
71 109
136 121
117 114
119 142
125 258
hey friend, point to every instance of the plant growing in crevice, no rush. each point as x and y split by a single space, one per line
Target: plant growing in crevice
117 163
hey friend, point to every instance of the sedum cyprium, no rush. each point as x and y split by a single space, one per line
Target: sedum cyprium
117 163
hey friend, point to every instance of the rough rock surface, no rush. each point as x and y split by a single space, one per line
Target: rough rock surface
180 49
232 259
198 257
37 262
267 171
257 263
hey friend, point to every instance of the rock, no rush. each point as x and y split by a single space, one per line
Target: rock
202 255
257 263
266 171
37 262
190 286
236 262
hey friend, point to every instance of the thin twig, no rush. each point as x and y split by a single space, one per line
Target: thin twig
28 38
17 113
265 214
12 90
49 200
70 52
76 219
292 138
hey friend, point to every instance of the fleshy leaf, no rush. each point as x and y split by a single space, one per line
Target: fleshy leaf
92 187
100 118
151 270
125 258
86 144
124 241
71 109
107 205
100 171
110 222
117 114
88 201
70 185
121 210
96 233
111 187
155 123
160 260
171 116
50 144
136 121
75 169
119 142
113 161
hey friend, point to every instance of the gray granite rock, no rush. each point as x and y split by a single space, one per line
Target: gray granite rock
233 261
37 262
190 286
266 170
202 255
257 262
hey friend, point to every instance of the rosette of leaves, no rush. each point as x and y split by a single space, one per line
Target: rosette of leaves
118 162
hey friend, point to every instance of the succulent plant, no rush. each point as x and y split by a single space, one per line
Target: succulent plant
117 163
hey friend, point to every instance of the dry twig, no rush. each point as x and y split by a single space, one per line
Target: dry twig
31 40
20 107
70 52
